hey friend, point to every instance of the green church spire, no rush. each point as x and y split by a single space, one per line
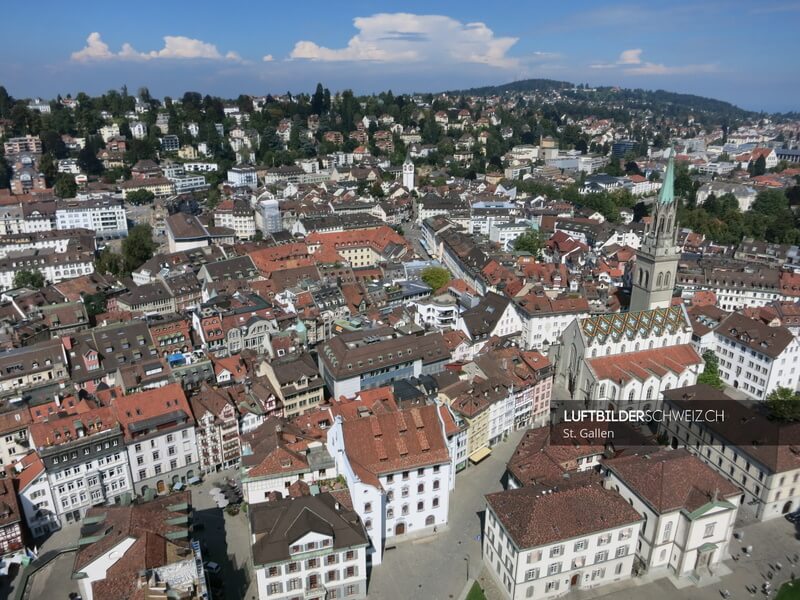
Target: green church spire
667 195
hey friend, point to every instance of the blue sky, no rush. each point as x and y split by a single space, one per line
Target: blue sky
743 52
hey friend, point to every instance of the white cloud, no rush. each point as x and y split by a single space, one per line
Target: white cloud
649 68
630 62
268 58
630 57
405 37
175 47
96 49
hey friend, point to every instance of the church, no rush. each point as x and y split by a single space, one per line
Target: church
618 358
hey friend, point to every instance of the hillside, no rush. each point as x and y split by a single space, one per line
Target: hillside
670 103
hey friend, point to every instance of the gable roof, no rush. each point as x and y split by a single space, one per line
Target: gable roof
634 325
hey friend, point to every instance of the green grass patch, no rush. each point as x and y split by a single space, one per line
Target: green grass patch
789 591
476 593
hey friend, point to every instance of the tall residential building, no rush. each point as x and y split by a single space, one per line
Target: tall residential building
657 259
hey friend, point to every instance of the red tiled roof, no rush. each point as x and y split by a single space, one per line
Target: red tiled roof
645 363
149 404
394 441
533 519
672 480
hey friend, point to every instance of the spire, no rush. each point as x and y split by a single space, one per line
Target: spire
667 195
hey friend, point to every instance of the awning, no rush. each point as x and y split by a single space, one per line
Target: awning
194 480
178 486
479 455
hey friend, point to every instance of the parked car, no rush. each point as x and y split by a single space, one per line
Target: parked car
212 567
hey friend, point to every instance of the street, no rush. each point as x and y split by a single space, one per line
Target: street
438 567
413 233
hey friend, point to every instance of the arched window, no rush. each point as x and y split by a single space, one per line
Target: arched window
660 280
623 349
602 390
594 352
667 277
646 278
637 346
631 395
649 394
650 345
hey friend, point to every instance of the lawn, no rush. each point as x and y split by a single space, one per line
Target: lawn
476 593
789 591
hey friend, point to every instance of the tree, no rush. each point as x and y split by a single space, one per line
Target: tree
109 262
138 247
30 279
784 403
65 186
140 197
95 304
759 167
530 241
710 375
435 277
88 161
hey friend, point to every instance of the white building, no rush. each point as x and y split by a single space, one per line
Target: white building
544 319
755 357
758 458
35 496
138 130
85 461
243 176
494 315
160 437
397 468
104 215
408 174
544 543
436 312
689 510
311 547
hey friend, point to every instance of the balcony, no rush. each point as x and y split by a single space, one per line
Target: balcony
313 593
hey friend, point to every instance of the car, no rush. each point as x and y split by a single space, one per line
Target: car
212 567
793 517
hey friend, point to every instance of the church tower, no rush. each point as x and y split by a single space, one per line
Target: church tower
408 174
657 258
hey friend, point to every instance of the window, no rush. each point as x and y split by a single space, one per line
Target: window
531 574
556 551
604 539
667 532
274 571
551 586
554 568
421 488
436 484
420 506
368 507
535 556
580 545
350 555
625 534
390 513
368 524
274 588
601 556
435 502
622 551
709 530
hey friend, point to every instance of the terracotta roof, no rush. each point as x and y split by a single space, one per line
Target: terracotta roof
533 519
536 460
168 404
755 334
644 364
672 480
394 441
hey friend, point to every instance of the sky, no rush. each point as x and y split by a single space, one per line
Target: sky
742 52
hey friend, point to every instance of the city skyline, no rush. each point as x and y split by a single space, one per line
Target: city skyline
408 47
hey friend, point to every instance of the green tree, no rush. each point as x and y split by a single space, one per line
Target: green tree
88 161
95 303
435 277
530 241
140 197
784 403
759 167
30 279
138 247
710 375
65 186
109 262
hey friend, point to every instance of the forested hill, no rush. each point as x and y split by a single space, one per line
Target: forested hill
524 85
660 101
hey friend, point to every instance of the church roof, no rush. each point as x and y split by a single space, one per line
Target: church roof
634 325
